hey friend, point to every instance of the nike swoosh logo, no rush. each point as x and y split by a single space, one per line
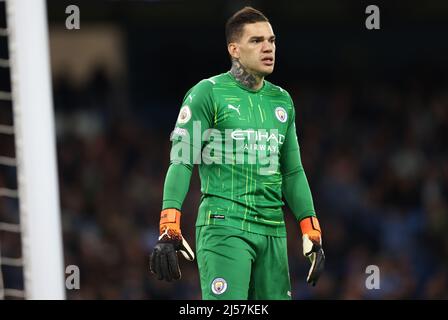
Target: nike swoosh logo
234 108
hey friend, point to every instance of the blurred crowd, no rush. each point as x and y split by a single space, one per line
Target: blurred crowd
375 155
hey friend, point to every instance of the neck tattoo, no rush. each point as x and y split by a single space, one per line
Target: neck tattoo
244 77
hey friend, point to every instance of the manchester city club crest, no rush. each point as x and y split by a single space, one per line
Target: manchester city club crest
219 286
281 114
184 114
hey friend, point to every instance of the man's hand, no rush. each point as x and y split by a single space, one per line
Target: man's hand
312 248
163 261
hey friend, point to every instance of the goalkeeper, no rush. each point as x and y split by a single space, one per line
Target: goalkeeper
240 129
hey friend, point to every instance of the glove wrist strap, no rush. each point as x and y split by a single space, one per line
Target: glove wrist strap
311 228
170 222
309 224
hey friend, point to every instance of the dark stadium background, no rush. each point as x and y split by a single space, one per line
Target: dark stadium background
372 119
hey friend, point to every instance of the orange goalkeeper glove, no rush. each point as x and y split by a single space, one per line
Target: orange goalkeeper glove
312 248
163 261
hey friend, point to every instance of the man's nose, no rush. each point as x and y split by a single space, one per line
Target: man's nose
267 46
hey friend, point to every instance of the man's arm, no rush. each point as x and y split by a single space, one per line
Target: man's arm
177 183
295 185
195 116
297 193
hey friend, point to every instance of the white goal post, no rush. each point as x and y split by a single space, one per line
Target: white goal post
34 130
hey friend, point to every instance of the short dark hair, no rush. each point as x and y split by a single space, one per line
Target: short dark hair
235 24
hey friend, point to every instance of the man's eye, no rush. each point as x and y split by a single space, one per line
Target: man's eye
256 41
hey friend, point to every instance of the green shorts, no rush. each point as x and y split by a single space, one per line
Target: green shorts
236 264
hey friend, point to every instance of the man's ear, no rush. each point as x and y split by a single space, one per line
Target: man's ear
234 50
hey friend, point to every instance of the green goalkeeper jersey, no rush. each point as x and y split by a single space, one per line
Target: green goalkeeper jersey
245 144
